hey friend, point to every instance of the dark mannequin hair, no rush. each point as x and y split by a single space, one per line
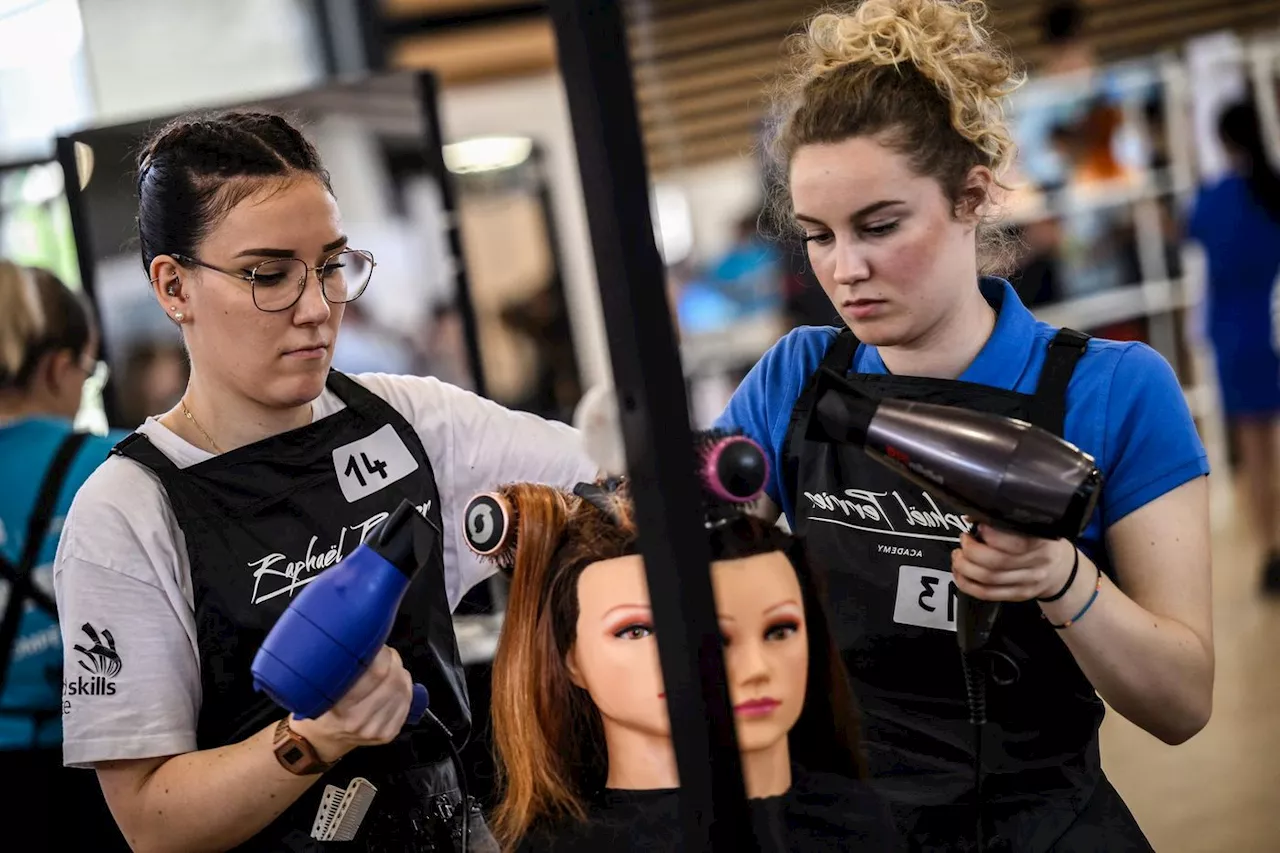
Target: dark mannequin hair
1241 133
196 168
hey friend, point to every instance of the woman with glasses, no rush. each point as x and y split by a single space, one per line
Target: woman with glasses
182 551
48 350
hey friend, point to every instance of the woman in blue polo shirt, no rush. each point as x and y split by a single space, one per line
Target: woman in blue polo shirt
48 348
890 144
1237 222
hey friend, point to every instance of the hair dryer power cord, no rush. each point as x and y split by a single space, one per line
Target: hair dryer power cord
975 681
462 777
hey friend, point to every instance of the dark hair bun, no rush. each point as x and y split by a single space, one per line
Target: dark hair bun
187 173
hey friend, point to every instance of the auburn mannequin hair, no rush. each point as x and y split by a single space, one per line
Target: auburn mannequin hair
548 734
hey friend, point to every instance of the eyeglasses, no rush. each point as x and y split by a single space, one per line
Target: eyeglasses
96 373
277 285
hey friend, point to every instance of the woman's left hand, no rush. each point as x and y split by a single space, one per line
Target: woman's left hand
1007 566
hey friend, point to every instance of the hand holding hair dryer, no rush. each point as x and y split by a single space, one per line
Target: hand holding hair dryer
999 471
335 627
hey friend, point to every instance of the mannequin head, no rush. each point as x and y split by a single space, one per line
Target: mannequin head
578 698
614 656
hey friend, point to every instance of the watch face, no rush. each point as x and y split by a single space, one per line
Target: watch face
293 754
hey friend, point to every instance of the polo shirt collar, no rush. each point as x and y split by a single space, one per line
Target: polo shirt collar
1005 357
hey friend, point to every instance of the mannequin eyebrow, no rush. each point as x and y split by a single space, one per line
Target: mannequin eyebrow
790 602
288 253
610 611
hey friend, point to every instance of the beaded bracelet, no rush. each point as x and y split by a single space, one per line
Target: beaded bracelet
1097 588
1075 567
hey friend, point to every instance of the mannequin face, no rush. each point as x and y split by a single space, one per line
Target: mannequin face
615 655
766 646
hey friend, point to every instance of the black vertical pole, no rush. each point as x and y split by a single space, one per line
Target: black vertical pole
591 38
429 99
86 258
351 36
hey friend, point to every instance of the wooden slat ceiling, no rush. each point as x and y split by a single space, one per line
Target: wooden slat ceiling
701 66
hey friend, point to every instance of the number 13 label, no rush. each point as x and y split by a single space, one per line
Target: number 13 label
372 463
926 598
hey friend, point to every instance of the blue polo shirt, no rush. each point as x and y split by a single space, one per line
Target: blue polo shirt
1125 406
35 669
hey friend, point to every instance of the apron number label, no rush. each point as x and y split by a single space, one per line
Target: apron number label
926 598
372 463
377 466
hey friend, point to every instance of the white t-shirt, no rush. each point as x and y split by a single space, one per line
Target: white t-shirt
131 668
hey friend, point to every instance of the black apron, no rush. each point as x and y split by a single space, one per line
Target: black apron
886 549
260 522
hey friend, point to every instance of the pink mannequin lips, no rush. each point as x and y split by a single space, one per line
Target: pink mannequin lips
757 707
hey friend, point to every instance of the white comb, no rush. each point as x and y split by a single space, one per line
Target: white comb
328 811
355 805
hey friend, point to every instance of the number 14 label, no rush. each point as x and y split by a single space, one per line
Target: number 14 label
926 598
372 463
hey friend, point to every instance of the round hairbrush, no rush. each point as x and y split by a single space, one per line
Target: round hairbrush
488 526
733 468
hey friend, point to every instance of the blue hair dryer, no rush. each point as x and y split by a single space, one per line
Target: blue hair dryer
333 630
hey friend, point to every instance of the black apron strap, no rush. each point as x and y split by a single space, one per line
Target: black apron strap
139 448
838 357
361 399
1049 403
21 586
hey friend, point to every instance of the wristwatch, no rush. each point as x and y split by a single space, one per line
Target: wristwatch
295 753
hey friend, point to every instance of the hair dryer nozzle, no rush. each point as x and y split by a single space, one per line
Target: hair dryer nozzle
393 539
841 414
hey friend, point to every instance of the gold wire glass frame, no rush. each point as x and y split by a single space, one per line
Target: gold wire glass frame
343 276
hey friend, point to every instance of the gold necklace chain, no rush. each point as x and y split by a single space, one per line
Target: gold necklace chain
191 418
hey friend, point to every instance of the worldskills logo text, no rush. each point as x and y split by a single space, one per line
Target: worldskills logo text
102 662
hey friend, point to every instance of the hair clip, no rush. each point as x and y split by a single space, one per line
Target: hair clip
603 496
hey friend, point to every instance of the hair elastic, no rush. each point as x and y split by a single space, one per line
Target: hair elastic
1075 567
1097 588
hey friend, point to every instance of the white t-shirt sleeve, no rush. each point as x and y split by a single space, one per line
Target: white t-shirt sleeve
476 445
131 676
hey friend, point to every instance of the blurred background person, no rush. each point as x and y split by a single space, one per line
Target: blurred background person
154 376
1063 27
48 350
1237 222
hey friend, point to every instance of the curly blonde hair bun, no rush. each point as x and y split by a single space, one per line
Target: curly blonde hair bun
924 75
